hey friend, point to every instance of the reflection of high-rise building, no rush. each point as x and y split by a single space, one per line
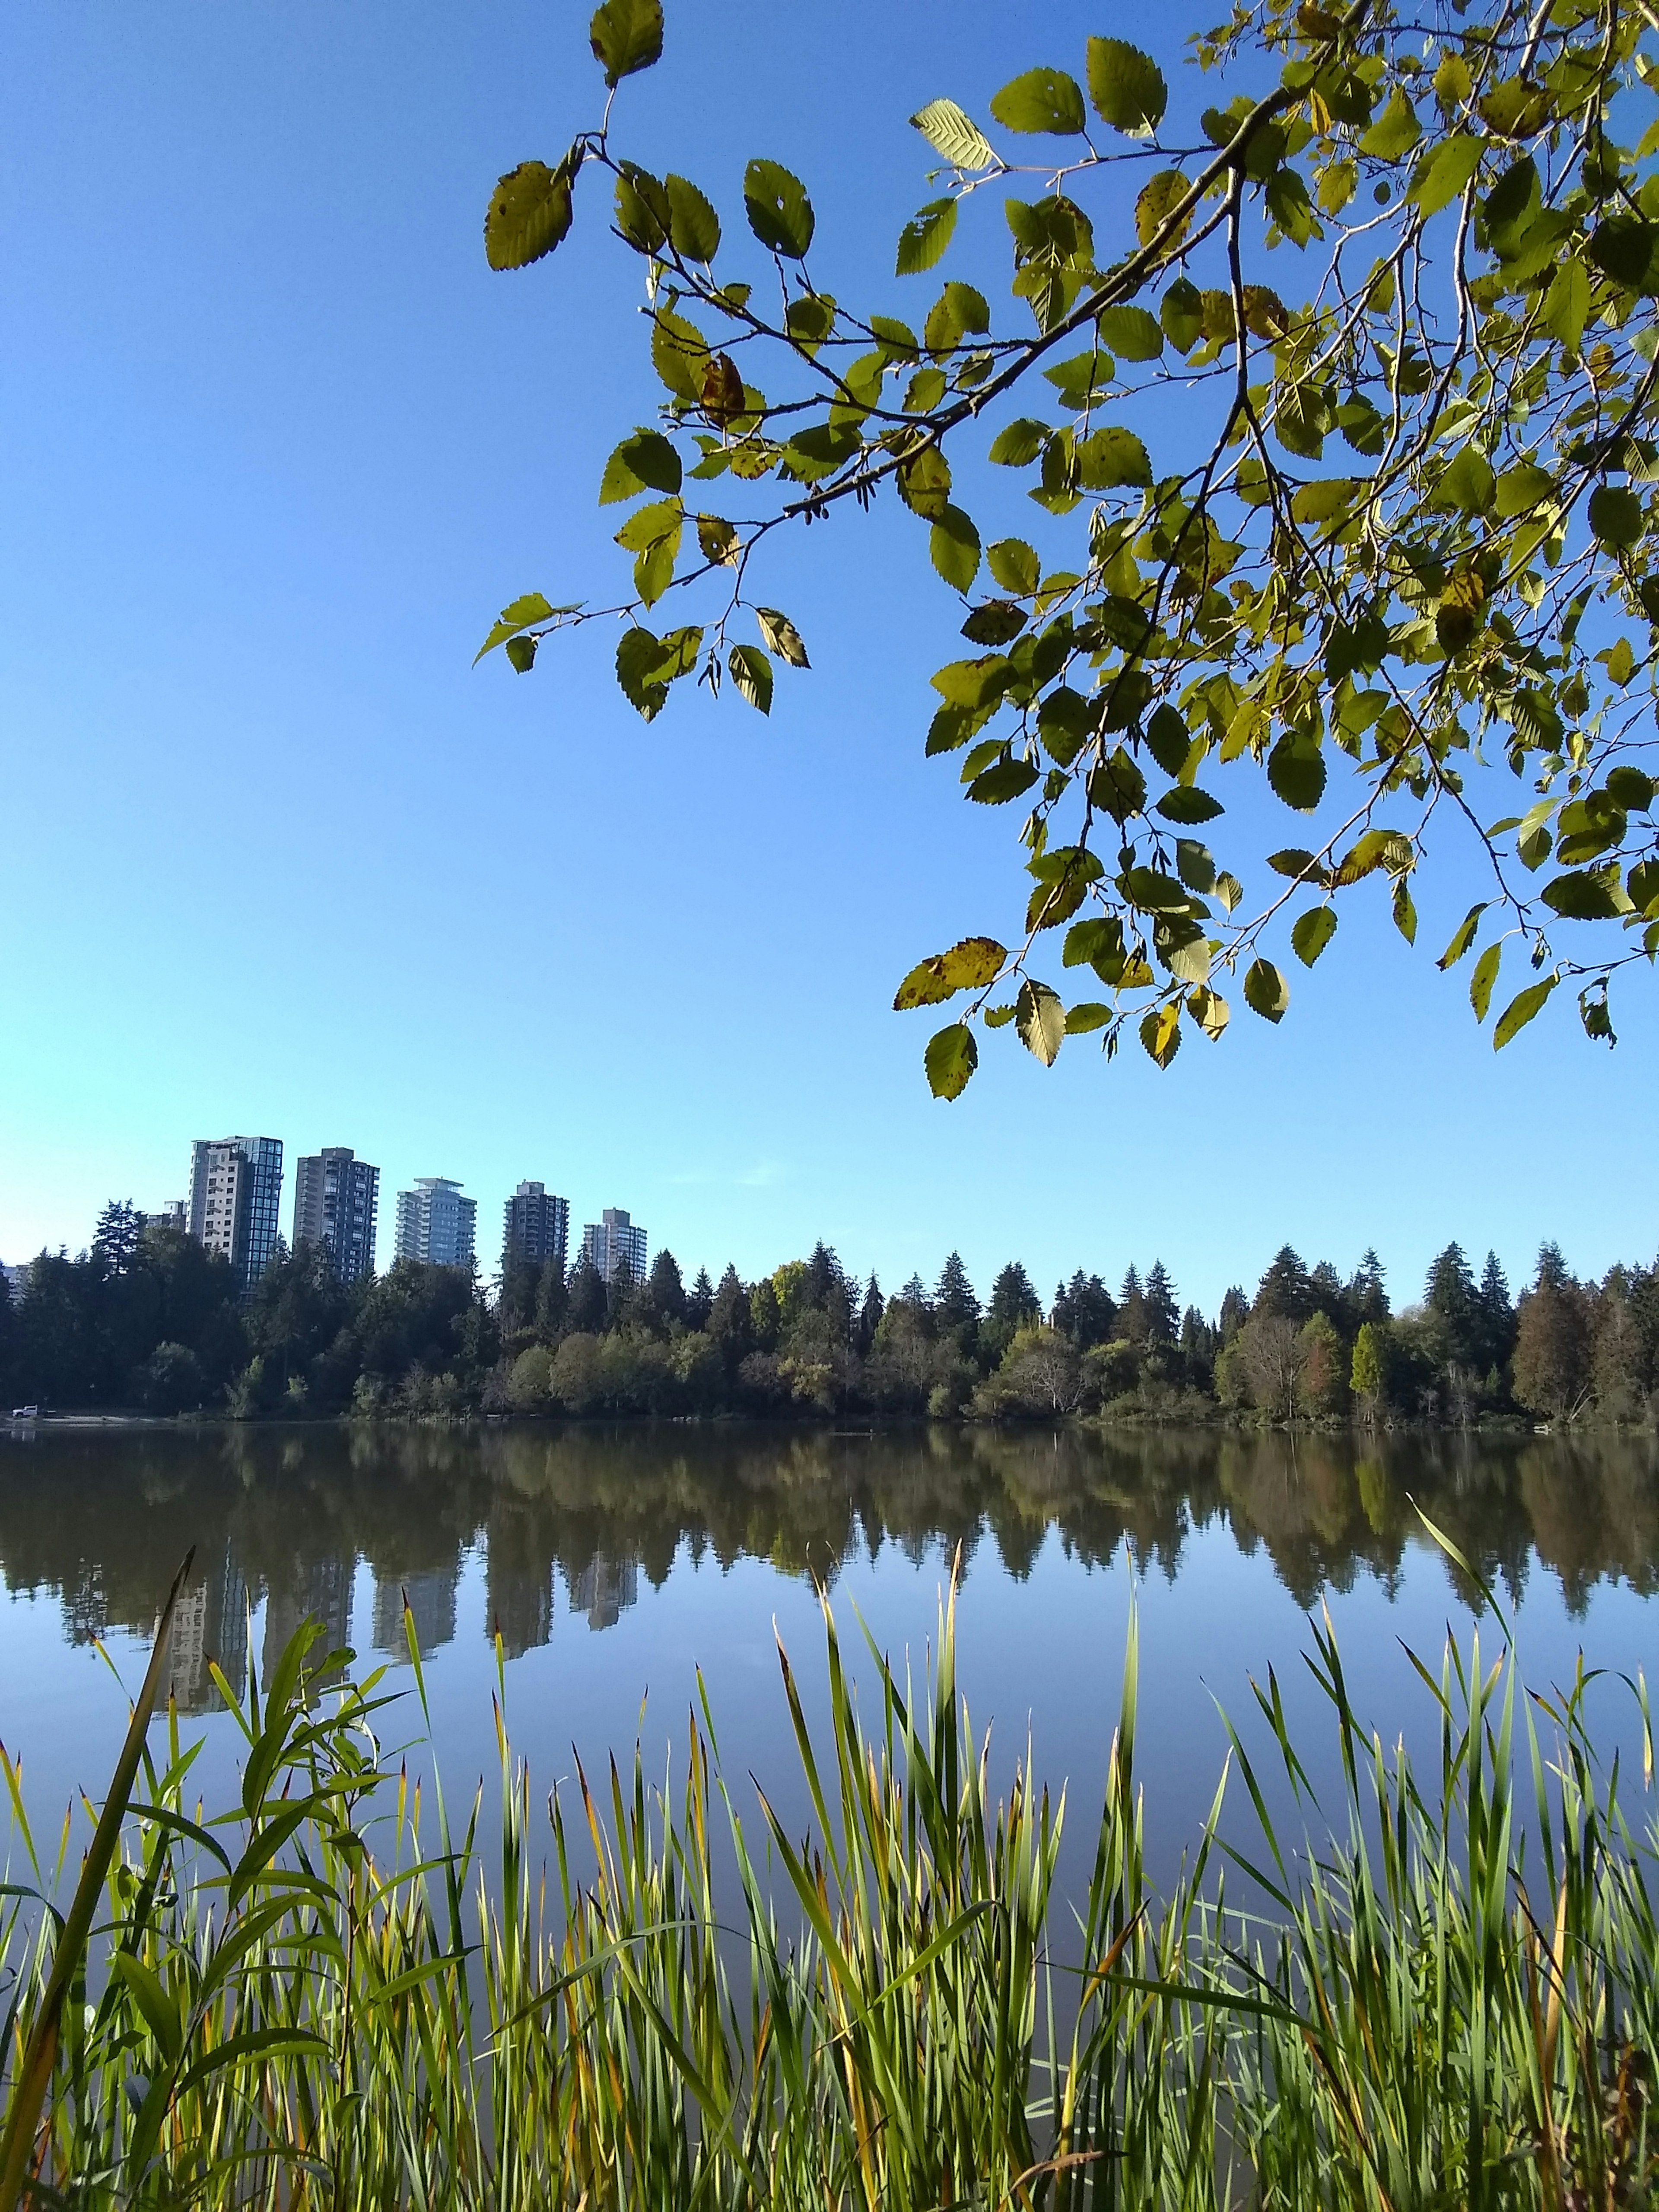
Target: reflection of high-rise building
236 1191
614 1241
435 1222
535 1228
605 1589
518 1600
210 1623
431 1603
336 1197
318 1590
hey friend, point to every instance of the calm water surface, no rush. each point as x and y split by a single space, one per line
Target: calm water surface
616 1562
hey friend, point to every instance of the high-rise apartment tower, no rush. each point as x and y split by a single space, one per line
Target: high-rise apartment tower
613 1242
335 1199
236 1191
535 1228
435 1222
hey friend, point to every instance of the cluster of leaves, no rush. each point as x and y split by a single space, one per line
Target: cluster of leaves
1466 255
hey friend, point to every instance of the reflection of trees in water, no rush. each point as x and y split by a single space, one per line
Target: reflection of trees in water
101 1517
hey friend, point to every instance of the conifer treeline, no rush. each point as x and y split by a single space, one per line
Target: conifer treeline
145 1318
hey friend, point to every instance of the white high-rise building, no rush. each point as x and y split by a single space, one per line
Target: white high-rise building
236 1191
613 1242
435 1222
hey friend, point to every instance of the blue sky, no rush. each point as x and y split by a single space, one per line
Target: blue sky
277 859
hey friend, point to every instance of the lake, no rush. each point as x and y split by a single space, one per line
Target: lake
615 1562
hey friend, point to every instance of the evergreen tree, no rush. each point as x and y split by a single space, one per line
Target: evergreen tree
1494 1318
586 1303
914 1293
1235 1312
1284 1291
1085 1311
665 1289
622 1295
1158 1302
699 1301
115 1239
551 1301
1451 1293
1013 1301
1367 1291
730 1323
1132 1307
870 1314
1365 1375
822 1286
955 1302
1330 1297
1551 1268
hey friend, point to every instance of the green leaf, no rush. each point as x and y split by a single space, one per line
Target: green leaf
1462 937
694 229
645 461
530 609
781 637
968 966
1615 516
751 672
1265 991
923 240
1394 132
954 133
1126 86
1041 100
1566 304
680 355
1209 1010
1484 975
529 215
1112 457
1443 171
1118 787
642 212
1629 786
1589 895
626 35
1405 913
953 544
1089 1014
950 1059
780 213
1014 564
1468 483
1007 780
1040 1020
1521 1010
1018 442
924 483
1160 1032
1296 770
1155 208
648 664
995 621
1130 331
521 652
1311 933
1522 487
1186 803
1624 247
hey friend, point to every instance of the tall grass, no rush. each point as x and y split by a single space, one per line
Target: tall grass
322 1997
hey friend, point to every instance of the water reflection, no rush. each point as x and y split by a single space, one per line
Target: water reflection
100 1518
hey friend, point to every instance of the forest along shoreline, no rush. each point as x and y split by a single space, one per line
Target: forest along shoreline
145 1325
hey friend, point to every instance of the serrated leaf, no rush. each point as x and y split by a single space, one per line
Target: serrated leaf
1014 564
751 672
1126 86
968 966
694 229
523 612
1484 975
1008 779
1041 100
1394 132
626 35
1567 303
648 664
1229 891
1110 457
1039 1020
521 652
1186 803
1405 913
951 1058
1209 1010
718 539
1311 933
1155 204
995 621
924 483
1160 1032
780 213
1265 991
1615 515
1443 171
781 637
953 544
1130 331
1520 1010
923 240
1588 895
528 215
955 134
1018 442
1462 936
680 355
1296 770
1088 1015
644 462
